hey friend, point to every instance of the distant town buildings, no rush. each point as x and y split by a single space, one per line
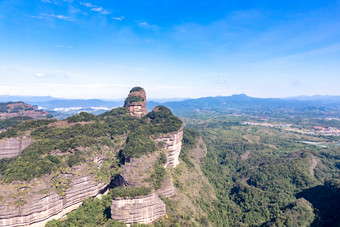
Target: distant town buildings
317 130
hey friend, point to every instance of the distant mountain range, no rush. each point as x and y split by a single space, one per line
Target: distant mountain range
236 103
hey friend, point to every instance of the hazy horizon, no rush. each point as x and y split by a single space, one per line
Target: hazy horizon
160 99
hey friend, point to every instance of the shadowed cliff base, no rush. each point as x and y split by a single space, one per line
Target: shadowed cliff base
326 202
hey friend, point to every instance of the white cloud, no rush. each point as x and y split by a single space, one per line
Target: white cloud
61 17
57 2
37 17
95 8
118 18
99 9
40 75
146 25
87 4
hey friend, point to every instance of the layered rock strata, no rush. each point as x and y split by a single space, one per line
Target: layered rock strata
12 147
145 209
173 145
136 102
42 208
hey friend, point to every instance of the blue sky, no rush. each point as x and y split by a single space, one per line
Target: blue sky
100 49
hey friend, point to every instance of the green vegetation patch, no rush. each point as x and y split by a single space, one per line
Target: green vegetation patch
163 121
139 141
36 160
13 121
93 212
132 99
19 129
189 142
158 172
134 89
81 117
129 192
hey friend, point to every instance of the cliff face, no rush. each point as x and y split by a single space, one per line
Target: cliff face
136 102
12 147
173 145
143 210
40 208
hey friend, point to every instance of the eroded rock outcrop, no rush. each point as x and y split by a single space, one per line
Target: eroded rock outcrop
144 209
173 144
20 109
12 147
40 208
136 102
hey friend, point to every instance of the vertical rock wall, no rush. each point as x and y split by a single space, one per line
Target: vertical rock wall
145 209
173 145
12 147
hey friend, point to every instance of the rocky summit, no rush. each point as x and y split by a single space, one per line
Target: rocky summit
136 102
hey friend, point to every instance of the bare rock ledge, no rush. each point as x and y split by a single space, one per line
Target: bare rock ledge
143 210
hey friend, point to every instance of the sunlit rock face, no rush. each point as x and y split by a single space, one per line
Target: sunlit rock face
12 147
173 145
136 102
143 209
44 207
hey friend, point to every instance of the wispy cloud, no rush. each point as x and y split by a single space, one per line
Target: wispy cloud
87 4
101 10
118 18
57 2
220 78
95 8
148 26
61 17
